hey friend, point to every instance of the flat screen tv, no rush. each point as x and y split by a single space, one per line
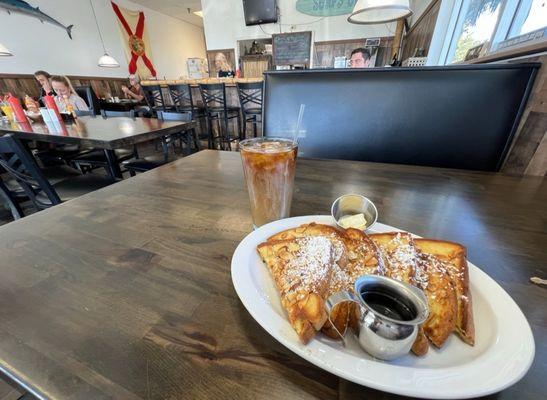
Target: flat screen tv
260 11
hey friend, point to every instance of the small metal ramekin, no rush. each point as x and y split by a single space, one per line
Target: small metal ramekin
351 204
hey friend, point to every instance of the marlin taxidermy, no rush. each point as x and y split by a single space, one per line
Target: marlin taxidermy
22 7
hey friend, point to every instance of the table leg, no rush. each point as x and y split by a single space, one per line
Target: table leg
113 165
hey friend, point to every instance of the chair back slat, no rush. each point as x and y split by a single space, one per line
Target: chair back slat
22 167
250 95
175 116
118 114
181 97
213 96
84 113
154 96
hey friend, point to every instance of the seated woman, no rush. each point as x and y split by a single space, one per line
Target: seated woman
223 67
134 91
66 93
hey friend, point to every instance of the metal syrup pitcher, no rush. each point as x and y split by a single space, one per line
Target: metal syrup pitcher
390 314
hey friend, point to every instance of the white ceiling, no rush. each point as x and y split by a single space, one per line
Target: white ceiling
175 8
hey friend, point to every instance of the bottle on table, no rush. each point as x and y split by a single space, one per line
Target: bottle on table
17 108
31 105
69 108
6 109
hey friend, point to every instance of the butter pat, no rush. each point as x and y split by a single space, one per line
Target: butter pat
357 221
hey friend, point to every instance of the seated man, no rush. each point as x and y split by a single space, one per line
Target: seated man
360 58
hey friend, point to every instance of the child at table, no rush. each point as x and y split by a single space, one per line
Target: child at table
66 93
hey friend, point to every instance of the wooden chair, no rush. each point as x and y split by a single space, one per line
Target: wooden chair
250 99
217 109
27 176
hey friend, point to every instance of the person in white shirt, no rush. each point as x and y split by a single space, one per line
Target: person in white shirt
65 92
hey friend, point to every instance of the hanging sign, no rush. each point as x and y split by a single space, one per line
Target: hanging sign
325 8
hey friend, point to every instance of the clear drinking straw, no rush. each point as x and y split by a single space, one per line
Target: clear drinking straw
298 123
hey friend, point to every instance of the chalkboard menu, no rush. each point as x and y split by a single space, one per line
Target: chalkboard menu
292 48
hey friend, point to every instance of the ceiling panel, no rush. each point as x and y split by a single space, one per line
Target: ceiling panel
175 8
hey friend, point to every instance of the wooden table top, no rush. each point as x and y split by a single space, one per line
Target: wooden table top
126 292
98 132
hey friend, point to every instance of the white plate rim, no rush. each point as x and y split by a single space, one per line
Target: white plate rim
459 380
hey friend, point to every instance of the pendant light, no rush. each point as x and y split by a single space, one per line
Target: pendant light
105 61
4 52
379 11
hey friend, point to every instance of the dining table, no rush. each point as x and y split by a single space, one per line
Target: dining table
126 293
97 132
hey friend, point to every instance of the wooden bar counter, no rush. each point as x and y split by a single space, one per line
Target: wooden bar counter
196 82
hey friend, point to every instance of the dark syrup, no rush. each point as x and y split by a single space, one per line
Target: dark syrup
388 305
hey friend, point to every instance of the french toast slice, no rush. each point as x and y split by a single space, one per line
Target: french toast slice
398 254
454 256
355 255
441 298
400 259
341 314
302 270
312 229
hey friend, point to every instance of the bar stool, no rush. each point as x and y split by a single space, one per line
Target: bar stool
250 98
217 109
183 102
153 95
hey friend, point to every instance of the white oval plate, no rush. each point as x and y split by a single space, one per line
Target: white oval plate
503 352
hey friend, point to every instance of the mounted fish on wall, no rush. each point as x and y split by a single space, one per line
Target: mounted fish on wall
22 7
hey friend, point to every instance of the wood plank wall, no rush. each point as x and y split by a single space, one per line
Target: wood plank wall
528 154
420 34
324 52
21 84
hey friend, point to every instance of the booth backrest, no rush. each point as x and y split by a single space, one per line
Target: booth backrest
457 117
92 101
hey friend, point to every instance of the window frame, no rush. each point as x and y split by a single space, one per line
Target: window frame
512 12
458 28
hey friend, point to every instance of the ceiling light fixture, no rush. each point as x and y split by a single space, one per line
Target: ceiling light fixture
4 52
105 61
379 11
199 13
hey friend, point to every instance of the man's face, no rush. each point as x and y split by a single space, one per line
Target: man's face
358 61
43 81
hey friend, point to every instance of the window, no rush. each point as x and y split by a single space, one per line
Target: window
475 25
531 15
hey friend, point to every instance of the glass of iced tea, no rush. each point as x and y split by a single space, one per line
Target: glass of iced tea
269 166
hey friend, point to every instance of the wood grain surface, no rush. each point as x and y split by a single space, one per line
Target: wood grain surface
22 84
420 34
126 292
99 132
